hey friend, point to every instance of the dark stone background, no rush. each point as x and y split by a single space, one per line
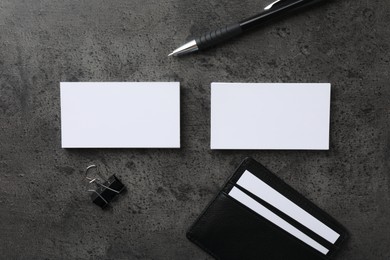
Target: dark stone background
45 212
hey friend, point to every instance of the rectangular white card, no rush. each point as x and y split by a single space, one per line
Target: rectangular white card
262 190
289 116
275 219
120 114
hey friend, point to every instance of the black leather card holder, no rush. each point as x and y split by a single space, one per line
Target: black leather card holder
228 229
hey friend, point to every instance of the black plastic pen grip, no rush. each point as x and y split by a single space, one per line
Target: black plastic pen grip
217 36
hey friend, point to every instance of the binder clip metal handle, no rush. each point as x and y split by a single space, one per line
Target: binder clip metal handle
105 190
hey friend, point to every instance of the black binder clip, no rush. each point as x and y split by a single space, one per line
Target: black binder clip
106 189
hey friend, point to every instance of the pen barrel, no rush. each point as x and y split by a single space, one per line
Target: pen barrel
279 9
220 35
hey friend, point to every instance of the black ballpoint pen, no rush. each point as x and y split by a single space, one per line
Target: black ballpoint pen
276 9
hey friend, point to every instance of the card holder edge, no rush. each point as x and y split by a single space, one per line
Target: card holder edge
281 232
290 220
285 189
233 178
189 231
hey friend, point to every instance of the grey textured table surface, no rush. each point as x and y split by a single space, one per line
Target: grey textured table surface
45 212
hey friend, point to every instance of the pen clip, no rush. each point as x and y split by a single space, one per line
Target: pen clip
283 3
271 5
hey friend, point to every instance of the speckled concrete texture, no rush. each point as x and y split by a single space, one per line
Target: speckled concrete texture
45 212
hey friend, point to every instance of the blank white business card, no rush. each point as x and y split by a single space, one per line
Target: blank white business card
120 114
262 190
240 196
289 116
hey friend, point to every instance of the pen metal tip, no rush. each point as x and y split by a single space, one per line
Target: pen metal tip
170 54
